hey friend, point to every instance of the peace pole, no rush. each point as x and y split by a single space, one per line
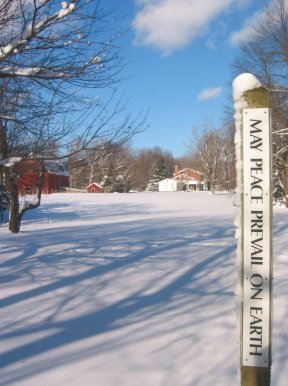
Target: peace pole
254 189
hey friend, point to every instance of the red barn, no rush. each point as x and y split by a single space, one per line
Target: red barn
56 178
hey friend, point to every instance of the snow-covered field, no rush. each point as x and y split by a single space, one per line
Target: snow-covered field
129 290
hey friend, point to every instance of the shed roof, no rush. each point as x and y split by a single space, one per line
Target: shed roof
94 184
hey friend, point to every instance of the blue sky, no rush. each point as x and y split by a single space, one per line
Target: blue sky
180 54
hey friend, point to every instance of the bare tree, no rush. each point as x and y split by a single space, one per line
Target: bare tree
111 165
265 55
211 153
117 170
50 56
145 160
70 43
228 176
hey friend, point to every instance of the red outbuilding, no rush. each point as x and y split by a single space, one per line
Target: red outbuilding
94 188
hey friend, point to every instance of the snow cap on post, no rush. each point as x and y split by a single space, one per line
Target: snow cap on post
248 91
242 83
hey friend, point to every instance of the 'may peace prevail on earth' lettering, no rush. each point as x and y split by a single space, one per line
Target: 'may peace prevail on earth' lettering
256 238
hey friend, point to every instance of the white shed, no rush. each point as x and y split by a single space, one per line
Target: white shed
168 185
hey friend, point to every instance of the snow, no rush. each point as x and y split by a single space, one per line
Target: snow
10 162
6 50
33 71
130 290
64 5
31 31
242 83
65 9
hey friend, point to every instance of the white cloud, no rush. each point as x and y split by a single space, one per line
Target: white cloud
169 25
208 93
247 29
243 3
244 33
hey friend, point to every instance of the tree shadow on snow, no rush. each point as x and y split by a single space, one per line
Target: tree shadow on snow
181 279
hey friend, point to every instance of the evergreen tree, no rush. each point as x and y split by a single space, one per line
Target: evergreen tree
159 172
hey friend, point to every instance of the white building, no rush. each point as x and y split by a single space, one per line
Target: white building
168 185
185 179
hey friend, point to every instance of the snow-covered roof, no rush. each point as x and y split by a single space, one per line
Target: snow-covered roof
188 169
56 168
94 184
11 161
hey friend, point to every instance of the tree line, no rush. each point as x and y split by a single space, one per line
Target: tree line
210 151
120 170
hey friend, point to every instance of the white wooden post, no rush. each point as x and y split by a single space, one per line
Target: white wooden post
255 239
